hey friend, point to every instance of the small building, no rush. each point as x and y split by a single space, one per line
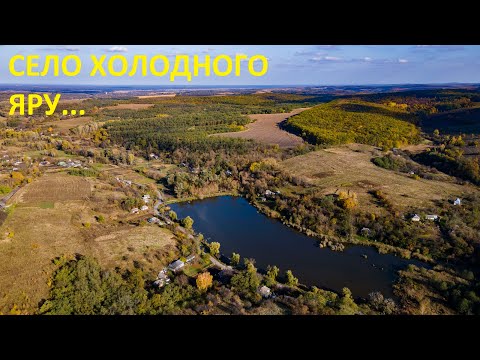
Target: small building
265 291
228 173
176 266
269 193
153 156
135 211
431 217
144 208
146 198
162 279
62 164
457 202
153 220
190 259
415 218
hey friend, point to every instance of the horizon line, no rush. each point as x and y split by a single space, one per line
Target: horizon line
245 85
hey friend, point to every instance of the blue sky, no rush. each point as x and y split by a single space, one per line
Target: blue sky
288 64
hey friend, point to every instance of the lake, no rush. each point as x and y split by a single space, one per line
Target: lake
240 228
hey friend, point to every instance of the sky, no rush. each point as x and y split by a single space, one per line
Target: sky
288 64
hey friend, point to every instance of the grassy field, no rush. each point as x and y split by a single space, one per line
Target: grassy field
67 124
265 128
54 188
49 217
129 174
349 167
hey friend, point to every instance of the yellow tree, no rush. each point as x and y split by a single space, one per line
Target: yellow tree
204 281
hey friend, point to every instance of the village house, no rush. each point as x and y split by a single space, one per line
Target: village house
162 279
153 220
431 217
269 193
144 208
135 211
415 218
146 198
176 266
189 259
265 291
457 202
153 156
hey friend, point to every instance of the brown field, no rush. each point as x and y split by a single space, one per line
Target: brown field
418 148
54 187
39 233
128 107
350 168
64 125
265 129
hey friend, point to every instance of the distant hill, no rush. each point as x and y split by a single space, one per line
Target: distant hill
461 121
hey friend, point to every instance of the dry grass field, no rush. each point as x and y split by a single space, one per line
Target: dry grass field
65 125
129 174
49 217
265 129
54 188
350 168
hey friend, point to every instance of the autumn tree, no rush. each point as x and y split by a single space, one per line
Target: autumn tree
291 280
187 222
214 248
347 200
272 274
235 260
204 281
346 304
173 215
17 177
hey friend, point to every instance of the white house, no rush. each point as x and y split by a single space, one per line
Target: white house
415 218
265 291
457 201
431 217
135 211
144 208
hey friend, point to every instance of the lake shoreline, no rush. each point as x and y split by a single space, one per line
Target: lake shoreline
254 235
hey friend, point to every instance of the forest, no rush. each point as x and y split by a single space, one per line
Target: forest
341 122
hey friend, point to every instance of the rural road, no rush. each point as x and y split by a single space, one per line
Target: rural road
157 203
3 202
219 264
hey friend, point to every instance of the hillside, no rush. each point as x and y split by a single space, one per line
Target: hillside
342 122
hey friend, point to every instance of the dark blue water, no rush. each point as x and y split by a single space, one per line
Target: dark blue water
239 228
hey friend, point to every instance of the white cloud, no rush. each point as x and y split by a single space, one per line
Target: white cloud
439 47
402 61
117 49
61 48
366 58
325 58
